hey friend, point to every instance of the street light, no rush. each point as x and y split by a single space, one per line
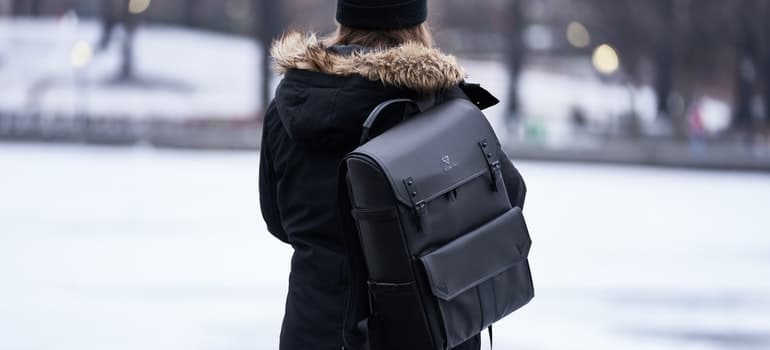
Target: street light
81 54
138 6
578 35
605 59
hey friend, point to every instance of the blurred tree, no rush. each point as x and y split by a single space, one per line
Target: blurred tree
6 7
762 14
690 44
269 22
109 19
644 31
752 47
113 13
26 7
664 56
190 11
515 56
746 55
130 22
764 31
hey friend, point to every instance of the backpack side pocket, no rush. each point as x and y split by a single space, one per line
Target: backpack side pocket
397 319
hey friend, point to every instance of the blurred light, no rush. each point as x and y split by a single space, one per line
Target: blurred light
538 37
605 59
138 6
578 35
81 54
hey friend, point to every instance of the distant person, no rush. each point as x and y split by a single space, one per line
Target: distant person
381 50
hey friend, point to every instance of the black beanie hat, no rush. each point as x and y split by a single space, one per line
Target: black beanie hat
381 14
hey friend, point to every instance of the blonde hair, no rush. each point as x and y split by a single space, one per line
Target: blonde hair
381 39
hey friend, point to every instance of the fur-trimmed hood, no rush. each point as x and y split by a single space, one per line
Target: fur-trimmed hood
410 65
327 92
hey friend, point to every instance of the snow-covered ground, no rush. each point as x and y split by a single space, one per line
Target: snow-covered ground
133 248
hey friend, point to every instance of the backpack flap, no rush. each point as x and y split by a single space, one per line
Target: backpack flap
481 276
438 150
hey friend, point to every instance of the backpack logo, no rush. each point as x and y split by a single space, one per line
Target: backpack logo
448 164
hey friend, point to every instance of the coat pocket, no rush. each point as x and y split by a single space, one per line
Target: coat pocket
481 277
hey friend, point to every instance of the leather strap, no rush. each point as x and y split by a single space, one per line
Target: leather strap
369 122
422 104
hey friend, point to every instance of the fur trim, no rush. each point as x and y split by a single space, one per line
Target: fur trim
410 65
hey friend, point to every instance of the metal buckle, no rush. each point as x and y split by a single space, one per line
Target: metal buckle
418 206
493 165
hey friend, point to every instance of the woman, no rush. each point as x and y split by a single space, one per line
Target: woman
381 50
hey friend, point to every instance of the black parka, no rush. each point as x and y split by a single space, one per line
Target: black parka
313 121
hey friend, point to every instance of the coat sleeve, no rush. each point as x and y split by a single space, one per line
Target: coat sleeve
514 182
268 183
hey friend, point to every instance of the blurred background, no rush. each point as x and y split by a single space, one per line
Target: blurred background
129 140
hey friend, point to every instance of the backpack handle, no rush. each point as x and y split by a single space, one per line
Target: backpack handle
369 122
422 104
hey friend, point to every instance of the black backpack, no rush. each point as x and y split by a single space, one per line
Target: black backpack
436 251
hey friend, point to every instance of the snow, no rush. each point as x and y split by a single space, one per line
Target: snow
135 248
183 73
